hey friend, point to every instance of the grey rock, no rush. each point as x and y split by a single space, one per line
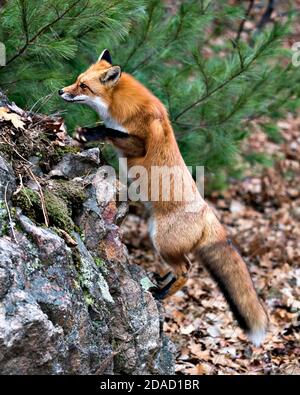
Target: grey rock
6 179
5 281
35 160
91 276
121 213
3 100
7 183
27 335
141 347
46 326
76 308
51 247
77 165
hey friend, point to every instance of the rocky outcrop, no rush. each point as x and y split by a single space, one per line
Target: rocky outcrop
70 303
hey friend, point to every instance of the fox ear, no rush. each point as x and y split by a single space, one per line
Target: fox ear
111 76
105 55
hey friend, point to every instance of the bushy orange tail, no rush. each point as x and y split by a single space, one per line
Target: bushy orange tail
231 274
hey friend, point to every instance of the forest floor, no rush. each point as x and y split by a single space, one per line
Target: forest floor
262 215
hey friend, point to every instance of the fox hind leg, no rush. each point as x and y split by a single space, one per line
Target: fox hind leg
177 279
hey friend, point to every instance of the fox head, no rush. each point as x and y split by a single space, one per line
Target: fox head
95 86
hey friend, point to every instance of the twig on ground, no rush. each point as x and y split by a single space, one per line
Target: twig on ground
43 100
42 119
20 187
42 197
67 237
15 150
8 213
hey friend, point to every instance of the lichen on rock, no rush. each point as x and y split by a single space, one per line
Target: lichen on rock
89 276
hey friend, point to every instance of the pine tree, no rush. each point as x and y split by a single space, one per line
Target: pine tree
192 54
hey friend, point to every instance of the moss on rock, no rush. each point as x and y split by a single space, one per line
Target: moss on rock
59 153
29 201
71 192
58 211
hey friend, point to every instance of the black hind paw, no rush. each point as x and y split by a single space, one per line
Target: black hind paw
162 279
161 292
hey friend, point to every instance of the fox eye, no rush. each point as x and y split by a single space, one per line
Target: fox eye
82 85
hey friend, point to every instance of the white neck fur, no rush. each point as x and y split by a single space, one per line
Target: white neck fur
102 109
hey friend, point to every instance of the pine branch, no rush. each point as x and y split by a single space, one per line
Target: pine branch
168 95
240 103
204 9
40 33
90 29
167 45
82 9
242 24
207 95
243 99
180 27
23 8
202 72
266 17
226 82
144 37
143 62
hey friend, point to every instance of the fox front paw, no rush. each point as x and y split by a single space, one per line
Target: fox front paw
80 135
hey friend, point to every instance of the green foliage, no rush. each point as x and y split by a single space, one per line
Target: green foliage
273 132
48 43
260 158
212 85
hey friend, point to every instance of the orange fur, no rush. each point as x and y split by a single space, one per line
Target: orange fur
175 232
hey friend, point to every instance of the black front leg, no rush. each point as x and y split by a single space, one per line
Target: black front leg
98 133
129 145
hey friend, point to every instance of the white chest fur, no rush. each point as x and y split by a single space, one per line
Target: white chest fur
102 109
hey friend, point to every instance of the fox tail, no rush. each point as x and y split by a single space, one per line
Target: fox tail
231 274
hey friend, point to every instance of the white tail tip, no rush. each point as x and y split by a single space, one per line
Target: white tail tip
257 336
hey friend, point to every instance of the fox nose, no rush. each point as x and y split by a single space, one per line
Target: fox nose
60 92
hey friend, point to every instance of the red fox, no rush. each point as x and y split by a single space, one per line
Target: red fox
139 128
